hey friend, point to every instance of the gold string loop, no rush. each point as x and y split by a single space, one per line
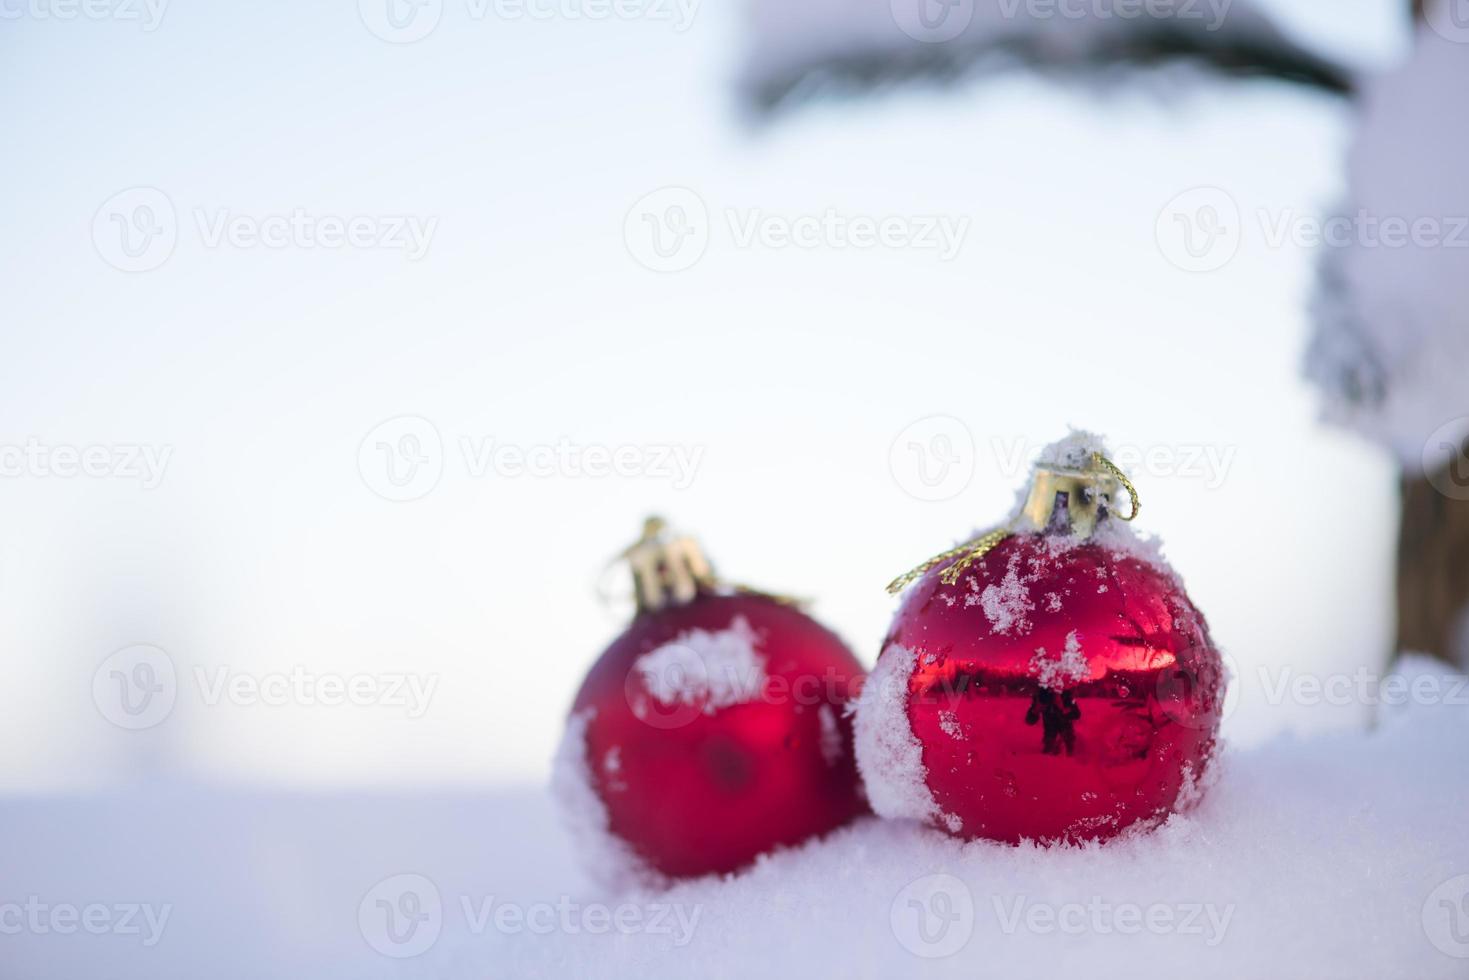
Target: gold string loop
1043 497
1112 468
966 554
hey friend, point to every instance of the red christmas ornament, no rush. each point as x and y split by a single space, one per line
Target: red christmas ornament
712 730
1050 681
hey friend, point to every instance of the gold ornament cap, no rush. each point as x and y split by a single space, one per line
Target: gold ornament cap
1073 498
667 568
1072 487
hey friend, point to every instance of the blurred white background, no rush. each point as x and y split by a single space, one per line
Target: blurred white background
518 148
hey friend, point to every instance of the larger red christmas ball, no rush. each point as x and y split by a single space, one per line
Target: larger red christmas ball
1053 683
713 730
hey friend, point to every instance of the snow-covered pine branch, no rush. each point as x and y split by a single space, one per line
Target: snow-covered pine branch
804 46
1391 343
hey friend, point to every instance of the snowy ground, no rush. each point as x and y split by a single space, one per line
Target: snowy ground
1339 856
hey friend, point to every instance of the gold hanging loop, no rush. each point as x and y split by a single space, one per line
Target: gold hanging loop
966 554
1113 468
1074 497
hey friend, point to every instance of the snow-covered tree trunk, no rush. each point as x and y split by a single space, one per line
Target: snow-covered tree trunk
1433 554
1433 567
1391 349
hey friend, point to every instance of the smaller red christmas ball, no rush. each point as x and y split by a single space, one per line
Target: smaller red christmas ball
713 730
1049 682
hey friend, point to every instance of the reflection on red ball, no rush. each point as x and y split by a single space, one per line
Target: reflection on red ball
1058 691
716 730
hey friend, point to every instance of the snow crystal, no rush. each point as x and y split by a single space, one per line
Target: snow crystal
606 858
717 669
831 735
1072 452
1007 603
949 725
1055 672
1391 343
888 755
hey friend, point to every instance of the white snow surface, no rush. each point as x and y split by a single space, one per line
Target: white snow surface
1341 856
606 858
1335 857
888 755
1391 348
715 668
797 39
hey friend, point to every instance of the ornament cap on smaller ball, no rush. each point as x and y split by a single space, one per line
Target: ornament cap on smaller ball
712 730
1047 680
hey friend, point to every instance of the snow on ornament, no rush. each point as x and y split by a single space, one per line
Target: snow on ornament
1049 680
713 730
